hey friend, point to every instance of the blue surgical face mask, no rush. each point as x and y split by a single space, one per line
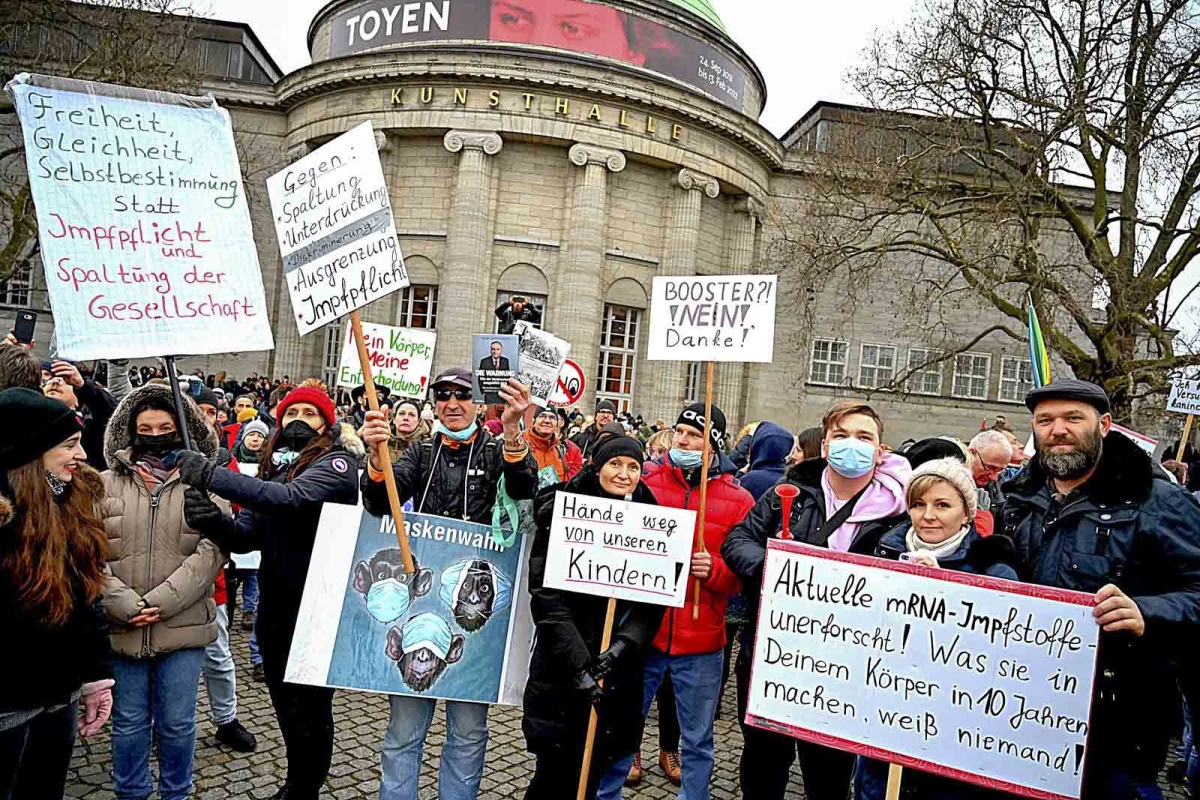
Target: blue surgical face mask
387 600
458 436
686 459
851 458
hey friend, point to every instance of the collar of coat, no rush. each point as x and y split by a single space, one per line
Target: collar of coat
1125 474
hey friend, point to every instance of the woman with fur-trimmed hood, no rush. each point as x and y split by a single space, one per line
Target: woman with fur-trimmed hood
159 597
309 460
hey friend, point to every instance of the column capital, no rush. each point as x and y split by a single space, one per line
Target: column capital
383 142
750 206
690 179
583 154
298 152
487 141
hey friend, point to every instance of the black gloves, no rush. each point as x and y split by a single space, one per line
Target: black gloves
584 682
206 518
605 662
195 469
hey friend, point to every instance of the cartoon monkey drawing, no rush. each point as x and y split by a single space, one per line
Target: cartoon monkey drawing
474 590
422 650
387 588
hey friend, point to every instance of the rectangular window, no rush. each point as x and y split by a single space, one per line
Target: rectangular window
971 375
418 307
928 379
1016 379
16 290
876 365
828 362
695 392
618 355
332 357
538 301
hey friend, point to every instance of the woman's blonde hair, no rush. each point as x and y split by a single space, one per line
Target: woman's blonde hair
660 440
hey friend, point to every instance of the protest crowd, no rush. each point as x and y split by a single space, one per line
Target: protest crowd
127 528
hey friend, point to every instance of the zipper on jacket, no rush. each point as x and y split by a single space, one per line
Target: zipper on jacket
154 500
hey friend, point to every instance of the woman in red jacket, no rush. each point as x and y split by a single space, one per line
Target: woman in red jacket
689 650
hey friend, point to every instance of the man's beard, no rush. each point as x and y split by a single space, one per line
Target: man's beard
1073 464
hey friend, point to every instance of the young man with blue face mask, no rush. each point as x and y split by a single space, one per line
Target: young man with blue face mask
849 498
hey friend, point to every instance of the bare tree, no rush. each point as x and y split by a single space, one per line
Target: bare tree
1023 148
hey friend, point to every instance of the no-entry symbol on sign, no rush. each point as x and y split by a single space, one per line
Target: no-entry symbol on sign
570 385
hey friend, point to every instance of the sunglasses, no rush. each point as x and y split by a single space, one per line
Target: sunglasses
442 395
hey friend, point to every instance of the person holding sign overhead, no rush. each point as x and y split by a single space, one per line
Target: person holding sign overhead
1090 513
848 499
455 474
567 664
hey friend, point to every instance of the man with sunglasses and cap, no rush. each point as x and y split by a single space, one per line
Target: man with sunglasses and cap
454 474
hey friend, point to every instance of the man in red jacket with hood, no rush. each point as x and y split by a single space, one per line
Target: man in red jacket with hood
691 650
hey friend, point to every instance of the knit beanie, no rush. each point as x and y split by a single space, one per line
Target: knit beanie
312 396
247 414
36 424
255 426
693 416
612 442
953 472
606 405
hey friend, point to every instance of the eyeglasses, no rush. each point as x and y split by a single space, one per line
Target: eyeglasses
442 395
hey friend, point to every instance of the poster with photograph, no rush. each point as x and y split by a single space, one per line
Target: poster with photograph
497 358
458 628
542 357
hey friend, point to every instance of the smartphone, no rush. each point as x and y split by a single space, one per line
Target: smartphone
23 329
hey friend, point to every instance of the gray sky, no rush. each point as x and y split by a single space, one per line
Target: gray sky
802 48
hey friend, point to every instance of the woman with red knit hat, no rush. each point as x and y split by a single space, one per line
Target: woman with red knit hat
309 460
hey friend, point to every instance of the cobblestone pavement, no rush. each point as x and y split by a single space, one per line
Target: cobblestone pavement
361 718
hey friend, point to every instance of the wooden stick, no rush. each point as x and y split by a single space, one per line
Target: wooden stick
385 456
593 720
1187 431
893 784
704 482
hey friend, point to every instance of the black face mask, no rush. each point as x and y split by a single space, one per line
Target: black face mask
157 446
297 434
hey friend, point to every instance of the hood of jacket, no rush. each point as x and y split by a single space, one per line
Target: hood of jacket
891 476
1124 473
345 437
117 437
770 446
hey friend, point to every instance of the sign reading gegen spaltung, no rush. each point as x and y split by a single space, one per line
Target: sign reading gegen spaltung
142 221
977 679
334 221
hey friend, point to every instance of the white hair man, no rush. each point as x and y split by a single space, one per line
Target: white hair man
990 453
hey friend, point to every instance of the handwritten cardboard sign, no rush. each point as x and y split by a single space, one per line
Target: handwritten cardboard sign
142 221
977 679
334 221
401 358
713 319
628 551
1185 397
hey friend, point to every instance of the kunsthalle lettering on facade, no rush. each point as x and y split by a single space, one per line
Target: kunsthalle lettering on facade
542 357
142 221
333 218
1185 397
618 549
458 628
401 358
713 319
979 679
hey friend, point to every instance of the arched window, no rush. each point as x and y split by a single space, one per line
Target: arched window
624 309
418 305
527 281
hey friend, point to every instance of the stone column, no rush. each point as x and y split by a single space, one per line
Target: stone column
578 312
288 357
466 275
669 379
732 376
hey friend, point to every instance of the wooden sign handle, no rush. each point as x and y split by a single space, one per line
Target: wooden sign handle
1187 431
895 771
385 456
593 720
700 546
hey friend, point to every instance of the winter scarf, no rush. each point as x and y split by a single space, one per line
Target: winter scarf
916 544
884 497
545 451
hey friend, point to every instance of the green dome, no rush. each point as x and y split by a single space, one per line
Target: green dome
702 9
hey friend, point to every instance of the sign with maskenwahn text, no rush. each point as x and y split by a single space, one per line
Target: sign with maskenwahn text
713 318
973 678
336 234
621 550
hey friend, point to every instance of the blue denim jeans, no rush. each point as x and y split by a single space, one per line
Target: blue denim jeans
155 695
697 682
250 591
255 656
219 675
462 755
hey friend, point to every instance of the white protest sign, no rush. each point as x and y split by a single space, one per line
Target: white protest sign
1185 397
401 358
969 677
571 383
142 221
336 233
713 319
1147 444
542 357
627 551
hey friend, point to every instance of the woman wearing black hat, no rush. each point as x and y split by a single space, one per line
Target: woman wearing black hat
52 551
567 663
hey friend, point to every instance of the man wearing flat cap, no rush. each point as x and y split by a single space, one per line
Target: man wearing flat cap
1092 514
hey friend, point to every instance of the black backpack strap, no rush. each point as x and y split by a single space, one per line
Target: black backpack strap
837 520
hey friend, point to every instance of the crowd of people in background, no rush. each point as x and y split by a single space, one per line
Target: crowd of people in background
127 529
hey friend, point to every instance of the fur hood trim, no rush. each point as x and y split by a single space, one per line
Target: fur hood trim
117 437
1125 473
346 437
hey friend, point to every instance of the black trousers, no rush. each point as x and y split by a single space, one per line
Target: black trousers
34 757
304 713
767 757
556 777
668 717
